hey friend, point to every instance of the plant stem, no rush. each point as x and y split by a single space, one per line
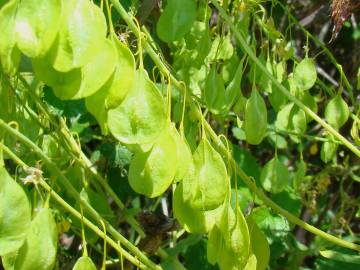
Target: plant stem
74 212
69 187
163 68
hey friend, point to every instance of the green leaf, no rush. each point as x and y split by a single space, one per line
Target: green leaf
255 124
141 117
151 173
84 263
337 112
36 27
39 249
305 74
274 176
176 19
214 92
81 35
210 178
9 53
14 214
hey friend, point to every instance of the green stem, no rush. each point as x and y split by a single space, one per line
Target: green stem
74 212
70 188
247 49
163 68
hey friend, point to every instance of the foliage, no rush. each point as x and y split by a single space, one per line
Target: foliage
176 135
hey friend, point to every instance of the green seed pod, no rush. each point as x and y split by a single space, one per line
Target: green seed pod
337 112
207 187
183 154
214 92
39 249
152 172
14 214
37 25
81 35
176 20
84 263
193 220
305 74
255 123
141 117
274 176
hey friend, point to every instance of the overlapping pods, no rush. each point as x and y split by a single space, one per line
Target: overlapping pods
40 246
168 160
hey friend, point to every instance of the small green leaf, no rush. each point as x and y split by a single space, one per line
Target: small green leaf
176 19
305 74
337 112
14 214
274 176
255 124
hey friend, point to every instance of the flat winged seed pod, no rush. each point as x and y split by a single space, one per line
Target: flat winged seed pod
13 224
141 117
40 247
